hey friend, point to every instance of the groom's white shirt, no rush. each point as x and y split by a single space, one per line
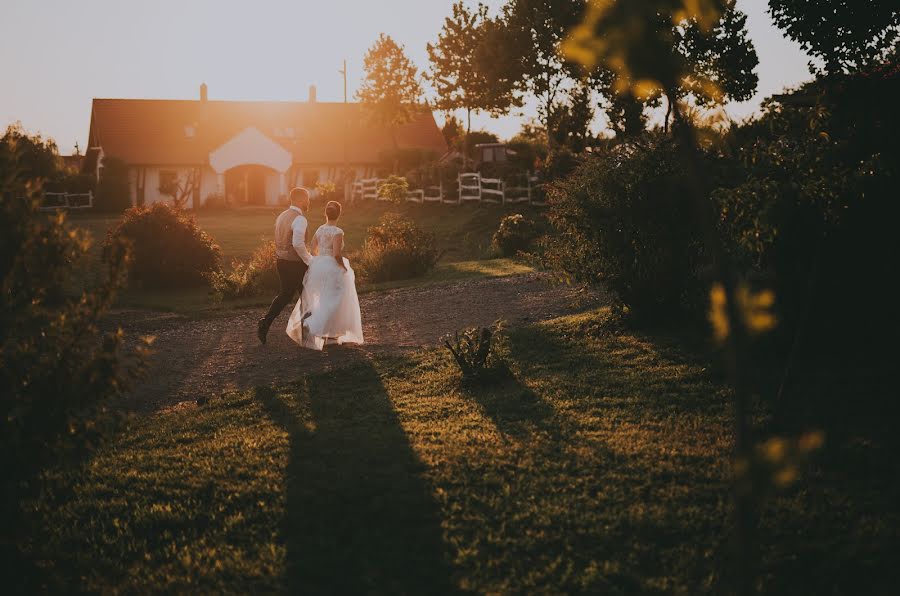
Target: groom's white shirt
298 239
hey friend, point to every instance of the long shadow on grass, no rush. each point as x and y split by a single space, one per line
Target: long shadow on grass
635 384
360 518
515 410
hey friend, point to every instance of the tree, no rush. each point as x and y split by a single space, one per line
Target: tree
391 88
452 130
570 120
534 31
113 192
531 131
179 187
625 114
456 61
35 157
720 62
846 35
713 62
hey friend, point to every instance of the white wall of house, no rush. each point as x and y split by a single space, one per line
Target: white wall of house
151 178
151 187
209 183
273 188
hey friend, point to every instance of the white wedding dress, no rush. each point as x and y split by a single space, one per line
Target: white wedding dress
329 297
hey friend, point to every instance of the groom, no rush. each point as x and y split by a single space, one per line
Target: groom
292 257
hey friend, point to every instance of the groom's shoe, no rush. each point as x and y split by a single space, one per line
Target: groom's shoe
304 329
262 330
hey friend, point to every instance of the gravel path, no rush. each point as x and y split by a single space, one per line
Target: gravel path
195 358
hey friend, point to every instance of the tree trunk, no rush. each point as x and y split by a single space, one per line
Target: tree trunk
468 121
195 188
668 115
548 105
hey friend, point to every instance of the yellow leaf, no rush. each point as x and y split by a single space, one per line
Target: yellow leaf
774 449
718 316
811 441
645 89
786 476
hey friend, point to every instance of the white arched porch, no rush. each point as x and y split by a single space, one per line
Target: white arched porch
251 147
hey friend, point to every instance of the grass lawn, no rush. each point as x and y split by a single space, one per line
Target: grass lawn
463 234
600 465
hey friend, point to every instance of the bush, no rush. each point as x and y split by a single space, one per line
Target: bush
393 189
255 277
169 249
561 162
216 202
33 156
813 206
113 191
396 249
327 191
57 369
624 218
515 234
479 352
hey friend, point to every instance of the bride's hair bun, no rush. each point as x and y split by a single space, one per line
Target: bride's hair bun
332 210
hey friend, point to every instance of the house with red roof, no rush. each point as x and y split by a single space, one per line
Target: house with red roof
250 152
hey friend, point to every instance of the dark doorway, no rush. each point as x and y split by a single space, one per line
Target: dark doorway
246 185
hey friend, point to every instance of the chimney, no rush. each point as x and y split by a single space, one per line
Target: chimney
203 93
312 94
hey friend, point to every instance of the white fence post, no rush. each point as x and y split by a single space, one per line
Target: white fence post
469 186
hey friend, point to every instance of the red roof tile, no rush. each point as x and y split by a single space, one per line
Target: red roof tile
150 131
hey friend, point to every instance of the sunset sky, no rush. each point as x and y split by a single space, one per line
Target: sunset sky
56 55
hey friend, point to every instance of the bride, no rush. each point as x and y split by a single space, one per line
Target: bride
328 309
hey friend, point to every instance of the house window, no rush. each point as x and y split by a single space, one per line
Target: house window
168 182
493 154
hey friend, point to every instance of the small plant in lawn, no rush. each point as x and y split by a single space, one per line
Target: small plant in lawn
397 249
514 235
247 278
478 351
393 189
169 248
326 191
216 202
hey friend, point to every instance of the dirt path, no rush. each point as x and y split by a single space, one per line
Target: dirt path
204 357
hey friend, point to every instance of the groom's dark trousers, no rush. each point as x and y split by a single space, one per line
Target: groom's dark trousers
290 277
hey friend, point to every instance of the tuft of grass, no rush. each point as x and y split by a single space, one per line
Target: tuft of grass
600 464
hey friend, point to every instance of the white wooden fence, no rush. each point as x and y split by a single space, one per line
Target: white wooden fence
472 188
65 200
